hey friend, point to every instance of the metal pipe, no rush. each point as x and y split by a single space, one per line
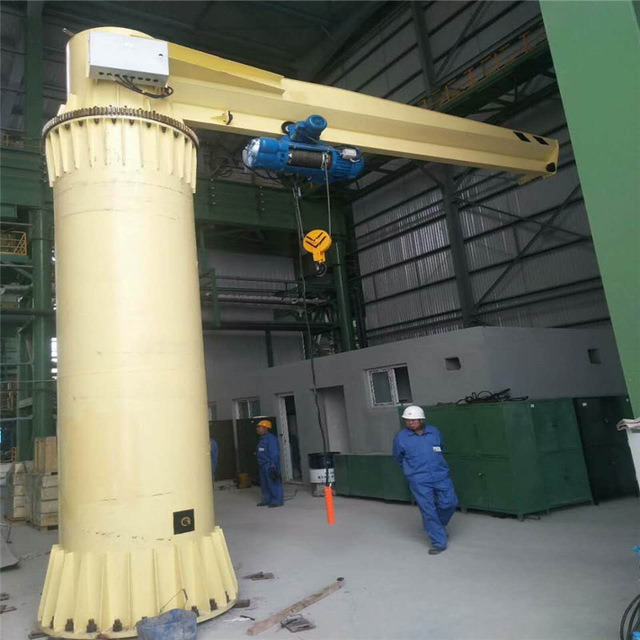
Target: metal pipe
9 288
247 279
17 311
233 325
225 297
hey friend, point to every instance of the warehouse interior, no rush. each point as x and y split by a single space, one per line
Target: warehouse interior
497 291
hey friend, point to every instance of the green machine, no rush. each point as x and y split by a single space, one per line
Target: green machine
559 448
374 475
606 449
513 457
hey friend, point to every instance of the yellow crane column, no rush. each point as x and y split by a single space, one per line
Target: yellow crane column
137 529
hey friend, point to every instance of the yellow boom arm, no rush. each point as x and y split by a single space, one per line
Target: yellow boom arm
207 87
214 93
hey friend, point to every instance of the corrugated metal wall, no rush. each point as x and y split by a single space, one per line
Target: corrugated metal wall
406 266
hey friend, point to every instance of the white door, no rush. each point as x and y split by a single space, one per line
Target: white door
334 409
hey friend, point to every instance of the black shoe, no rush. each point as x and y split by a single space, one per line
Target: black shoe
434 551
273 506
261 504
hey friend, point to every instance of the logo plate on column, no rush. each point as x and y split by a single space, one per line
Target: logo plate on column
183 521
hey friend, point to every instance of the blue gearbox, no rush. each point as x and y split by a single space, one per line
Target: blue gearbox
300 152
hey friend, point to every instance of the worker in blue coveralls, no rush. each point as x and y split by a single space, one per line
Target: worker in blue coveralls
214 457
418 448
268 453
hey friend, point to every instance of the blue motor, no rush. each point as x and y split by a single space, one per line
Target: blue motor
300 152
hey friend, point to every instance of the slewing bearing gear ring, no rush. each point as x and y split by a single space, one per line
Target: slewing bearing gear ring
121 113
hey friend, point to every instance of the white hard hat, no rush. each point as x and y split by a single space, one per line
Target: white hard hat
413 413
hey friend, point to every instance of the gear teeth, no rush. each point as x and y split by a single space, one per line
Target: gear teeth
116 113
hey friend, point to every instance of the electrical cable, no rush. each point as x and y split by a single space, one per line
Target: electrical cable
126 82
630 619
489 396
296 196
269 176
325 163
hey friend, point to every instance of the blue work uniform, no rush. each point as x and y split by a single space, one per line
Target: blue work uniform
268 453
427 472
214 457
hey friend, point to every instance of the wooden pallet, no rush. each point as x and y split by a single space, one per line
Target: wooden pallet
12 519
44 527
46 454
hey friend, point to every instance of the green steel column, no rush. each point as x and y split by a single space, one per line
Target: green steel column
596 55
34 107
345 316
447 185
458 251
41 250
41 244
24 427
308 346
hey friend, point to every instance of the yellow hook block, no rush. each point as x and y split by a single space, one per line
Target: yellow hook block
317 243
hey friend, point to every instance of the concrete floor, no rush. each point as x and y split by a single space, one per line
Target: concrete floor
566 576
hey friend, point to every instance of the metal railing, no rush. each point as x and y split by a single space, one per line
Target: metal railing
14 139
13 243
498 60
